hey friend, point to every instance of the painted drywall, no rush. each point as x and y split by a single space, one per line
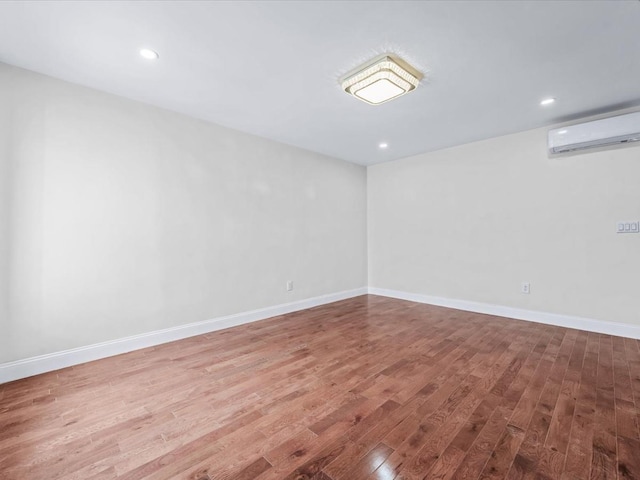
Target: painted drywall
5 135
119 218
475 221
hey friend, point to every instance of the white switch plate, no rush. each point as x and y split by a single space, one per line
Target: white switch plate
525 288
628 227
289 285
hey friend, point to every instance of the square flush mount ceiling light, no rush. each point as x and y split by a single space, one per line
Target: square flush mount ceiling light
381 80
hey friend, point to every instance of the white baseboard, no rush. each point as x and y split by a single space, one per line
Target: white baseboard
54 361
569 321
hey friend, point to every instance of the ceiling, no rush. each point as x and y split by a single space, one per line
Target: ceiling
272 68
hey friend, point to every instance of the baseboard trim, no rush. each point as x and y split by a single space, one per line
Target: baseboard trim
568 321
54 361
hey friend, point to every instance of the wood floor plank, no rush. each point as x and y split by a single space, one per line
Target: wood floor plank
448 426
369 387
604 454
526 405
628 458
478 454
563 413
369 463
390 414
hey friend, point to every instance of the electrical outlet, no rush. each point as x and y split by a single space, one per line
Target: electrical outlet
525 288
289 285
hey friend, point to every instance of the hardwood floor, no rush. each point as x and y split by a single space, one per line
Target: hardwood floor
367 388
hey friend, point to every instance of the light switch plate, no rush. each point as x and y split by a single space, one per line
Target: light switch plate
628 227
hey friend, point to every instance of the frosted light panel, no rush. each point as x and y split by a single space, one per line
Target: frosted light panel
380 91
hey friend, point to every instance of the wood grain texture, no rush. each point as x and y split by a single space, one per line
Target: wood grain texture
366 388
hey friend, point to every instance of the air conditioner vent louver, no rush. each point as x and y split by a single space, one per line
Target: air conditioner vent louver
596 134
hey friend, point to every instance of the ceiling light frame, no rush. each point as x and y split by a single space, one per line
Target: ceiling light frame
382 79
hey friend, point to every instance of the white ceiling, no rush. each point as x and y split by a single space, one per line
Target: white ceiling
272 68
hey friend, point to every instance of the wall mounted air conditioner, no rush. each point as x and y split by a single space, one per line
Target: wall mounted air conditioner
596 134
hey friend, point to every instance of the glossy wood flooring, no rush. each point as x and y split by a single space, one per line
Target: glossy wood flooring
367 388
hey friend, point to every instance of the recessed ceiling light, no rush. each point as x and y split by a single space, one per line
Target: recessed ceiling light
381 80
149 54
562 132
383 145
547 101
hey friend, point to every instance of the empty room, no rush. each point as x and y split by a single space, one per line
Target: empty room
328 240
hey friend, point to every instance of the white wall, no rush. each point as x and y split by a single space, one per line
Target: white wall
5 135
474 221
118 218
